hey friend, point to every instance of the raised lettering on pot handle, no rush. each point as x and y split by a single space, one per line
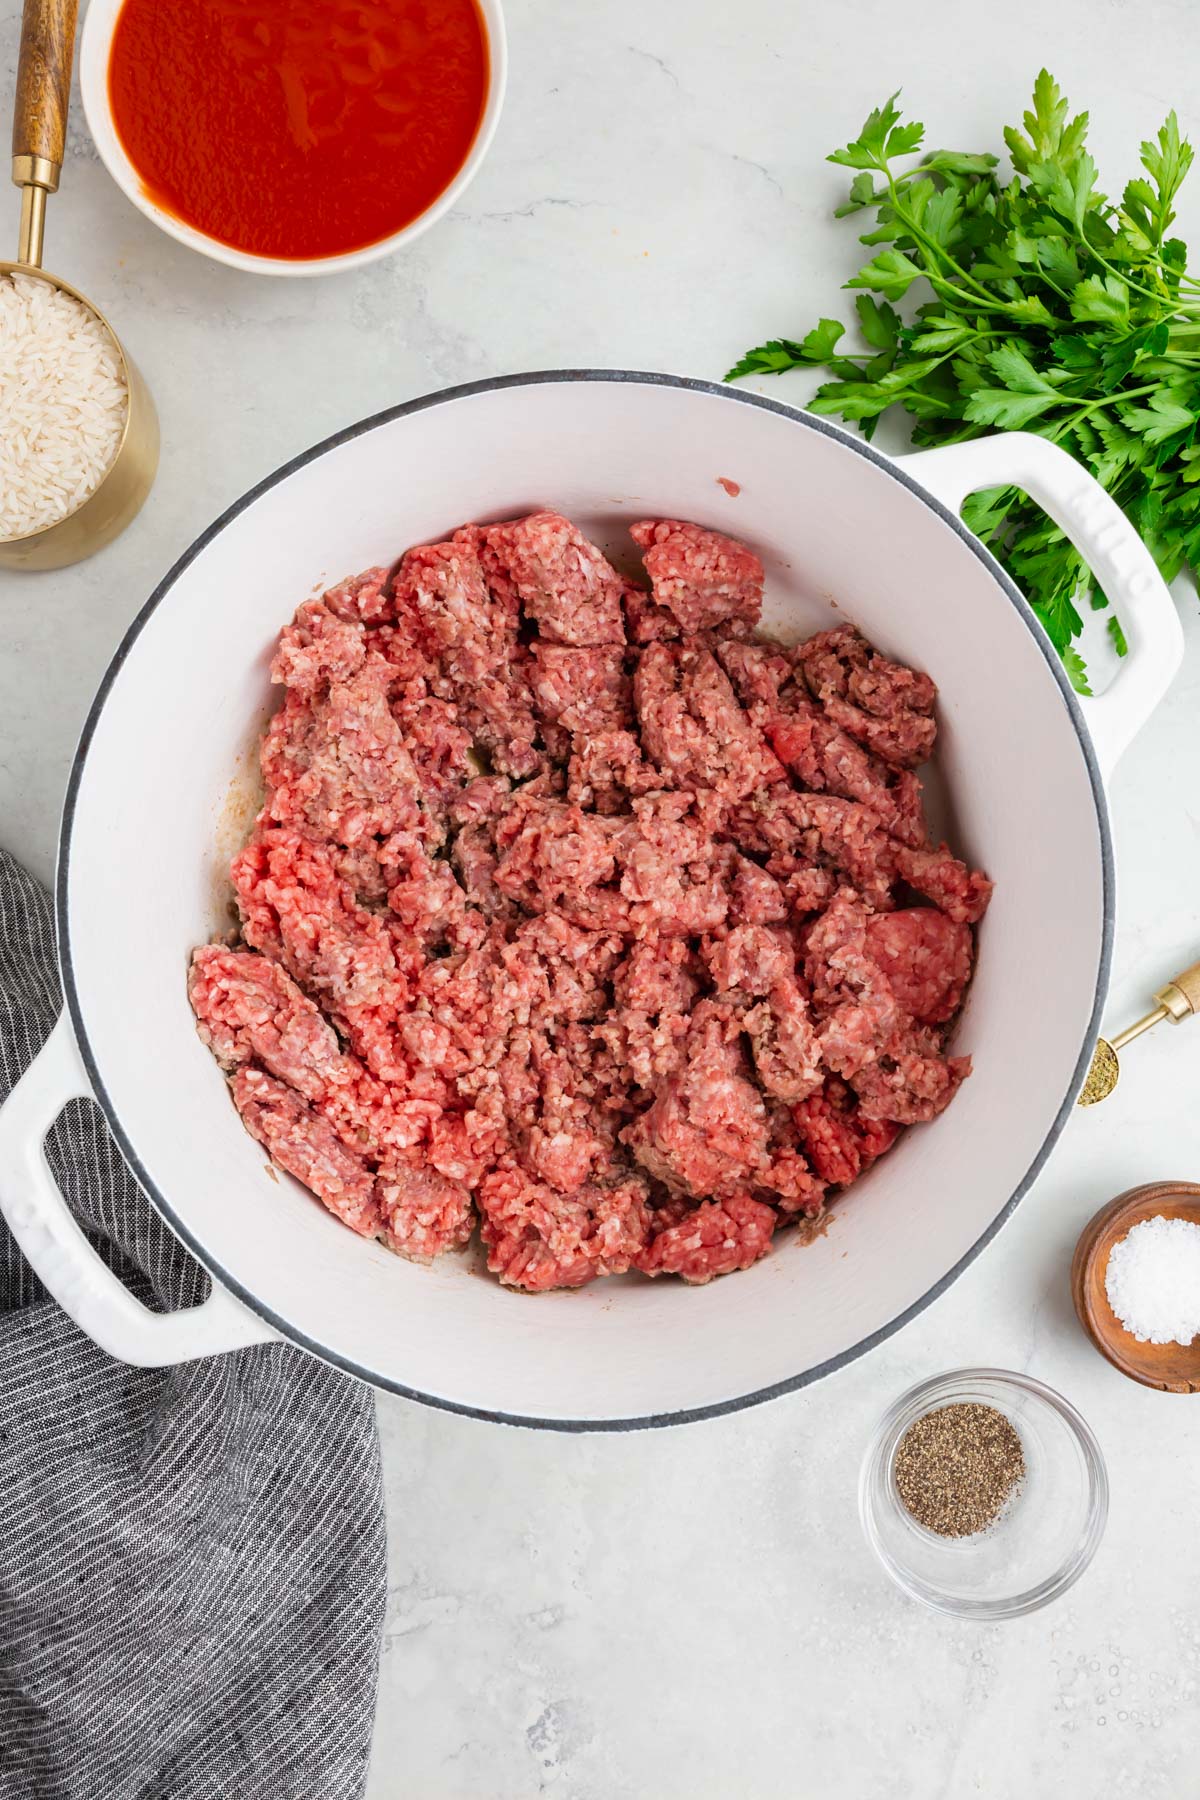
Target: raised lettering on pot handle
57 1250
1108 544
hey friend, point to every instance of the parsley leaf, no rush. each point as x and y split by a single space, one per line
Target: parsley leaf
782 353
1164 416
880 138
891 273
1166 161
1102 299
878 322
1011 412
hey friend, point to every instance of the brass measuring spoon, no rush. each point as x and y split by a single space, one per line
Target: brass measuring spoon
1177 1001
39 139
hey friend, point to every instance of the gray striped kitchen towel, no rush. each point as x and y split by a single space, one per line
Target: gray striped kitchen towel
192 1572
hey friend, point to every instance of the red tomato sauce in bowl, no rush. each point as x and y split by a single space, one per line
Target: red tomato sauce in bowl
298 129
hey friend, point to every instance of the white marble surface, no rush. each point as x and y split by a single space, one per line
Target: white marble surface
694 1613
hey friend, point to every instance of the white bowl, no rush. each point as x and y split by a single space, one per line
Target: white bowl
844 533
95 44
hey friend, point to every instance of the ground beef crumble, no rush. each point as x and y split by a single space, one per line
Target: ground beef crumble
577 912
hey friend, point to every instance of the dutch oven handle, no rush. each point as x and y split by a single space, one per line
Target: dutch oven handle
1108 544
57 1250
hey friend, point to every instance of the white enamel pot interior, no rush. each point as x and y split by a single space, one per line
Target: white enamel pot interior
845 534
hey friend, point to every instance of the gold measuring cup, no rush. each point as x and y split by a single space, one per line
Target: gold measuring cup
39 138
1179 1000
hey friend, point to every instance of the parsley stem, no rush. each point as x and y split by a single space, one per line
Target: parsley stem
1154 387
1161 297
937 251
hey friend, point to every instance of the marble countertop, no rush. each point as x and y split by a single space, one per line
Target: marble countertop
694 1613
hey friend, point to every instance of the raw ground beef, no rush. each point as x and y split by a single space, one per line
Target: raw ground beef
577 912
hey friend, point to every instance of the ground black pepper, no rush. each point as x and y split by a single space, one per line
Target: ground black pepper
956 1467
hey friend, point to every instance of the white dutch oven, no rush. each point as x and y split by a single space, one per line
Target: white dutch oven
840 527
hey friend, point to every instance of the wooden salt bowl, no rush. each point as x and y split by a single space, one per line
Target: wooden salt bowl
1175 1368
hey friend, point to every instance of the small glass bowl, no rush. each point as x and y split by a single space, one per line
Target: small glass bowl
1047 1533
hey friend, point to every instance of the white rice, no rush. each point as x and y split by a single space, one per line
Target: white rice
62 404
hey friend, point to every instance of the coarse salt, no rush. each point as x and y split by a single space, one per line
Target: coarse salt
1153 1281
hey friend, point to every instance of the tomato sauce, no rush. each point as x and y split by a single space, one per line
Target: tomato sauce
298 128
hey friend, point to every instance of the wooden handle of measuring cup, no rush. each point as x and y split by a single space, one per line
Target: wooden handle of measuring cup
1181 997
43 91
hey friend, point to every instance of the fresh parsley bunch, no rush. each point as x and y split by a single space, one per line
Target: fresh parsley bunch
1052 310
